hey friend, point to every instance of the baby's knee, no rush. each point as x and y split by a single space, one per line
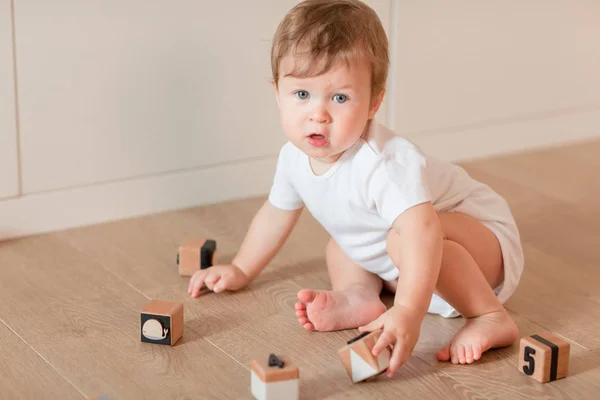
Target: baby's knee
453 252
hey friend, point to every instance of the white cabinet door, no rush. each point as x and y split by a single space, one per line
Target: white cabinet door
9 177
111 90
463 63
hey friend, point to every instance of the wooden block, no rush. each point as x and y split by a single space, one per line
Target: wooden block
99 398
196 254
162 322
544 357
358 358
274 378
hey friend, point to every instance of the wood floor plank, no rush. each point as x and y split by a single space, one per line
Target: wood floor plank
524 201
235 321
85 322
552 172
586 152
19 363
142 251
496 376
537 301
74 297
565 234
322 374
261 319
552 295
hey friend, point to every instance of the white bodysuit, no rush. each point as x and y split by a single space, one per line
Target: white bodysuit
377 179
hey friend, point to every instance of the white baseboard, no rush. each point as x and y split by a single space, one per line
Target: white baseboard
62 209
505 137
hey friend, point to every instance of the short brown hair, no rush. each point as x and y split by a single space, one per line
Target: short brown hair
326 32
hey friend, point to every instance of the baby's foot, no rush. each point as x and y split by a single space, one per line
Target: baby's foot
495 329
325 310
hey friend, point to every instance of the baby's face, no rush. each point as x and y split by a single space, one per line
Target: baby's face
325 115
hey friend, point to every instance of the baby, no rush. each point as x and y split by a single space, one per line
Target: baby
398 219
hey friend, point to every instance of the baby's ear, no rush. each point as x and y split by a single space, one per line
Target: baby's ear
376 103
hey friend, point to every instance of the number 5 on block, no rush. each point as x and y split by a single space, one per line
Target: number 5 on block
544 357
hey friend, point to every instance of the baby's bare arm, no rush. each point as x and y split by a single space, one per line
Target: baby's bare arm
415 246
418 252
268 231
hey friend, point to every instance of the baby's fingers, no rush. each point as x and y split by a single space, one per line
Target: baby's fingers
211 280
397 359
222 283
385 339
196 283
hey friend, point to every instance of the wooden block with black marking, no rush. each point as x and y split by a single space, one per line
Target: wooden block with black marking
544 357
358 358
162 322
274 378
196 254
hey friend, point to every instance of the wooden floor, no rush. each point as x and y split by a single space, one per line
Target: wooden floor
70 303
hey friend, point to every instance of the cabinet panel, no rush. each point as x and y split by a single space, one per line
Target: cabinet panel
117 89
9 175
465 62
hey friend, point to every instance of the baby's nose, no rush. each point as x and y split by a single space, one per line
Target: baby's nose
320 115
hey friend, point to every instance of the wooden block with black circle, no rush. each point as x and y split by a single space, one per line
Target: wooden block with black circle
544 357
274 378
357 357
196 254
162 322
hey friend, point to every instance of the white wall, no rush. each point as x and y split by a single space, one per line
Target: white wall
127 109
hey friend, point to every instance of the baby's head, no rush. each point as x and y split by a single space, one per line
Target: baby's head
330 64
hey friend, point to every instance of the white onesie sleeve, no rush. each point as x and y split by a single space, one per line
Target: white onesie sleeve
282 194
398 182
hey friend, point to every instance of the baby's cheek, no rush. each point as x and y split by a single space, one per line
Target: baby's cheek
292 129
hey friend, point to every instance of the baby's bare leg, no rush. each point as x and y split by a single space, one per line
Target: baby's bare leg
471 266
345 273
354 300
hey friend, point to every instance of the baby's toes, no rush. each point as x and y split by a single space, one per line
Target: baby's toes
309 326
476 351
453 354
469 354
303 320
460 353
300 306
300 313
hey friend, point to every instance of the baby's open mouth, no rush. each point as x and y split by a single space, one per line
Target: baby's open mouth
317 140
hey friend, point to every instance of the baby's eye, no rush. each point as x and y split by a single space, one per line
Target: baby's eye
340 98
302 94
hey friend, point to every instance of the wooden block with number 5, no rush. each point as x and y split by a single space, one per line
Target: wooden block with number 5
544 357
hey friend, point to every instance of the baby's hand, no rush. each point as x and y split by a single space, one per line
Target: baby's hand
401 329
217 278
